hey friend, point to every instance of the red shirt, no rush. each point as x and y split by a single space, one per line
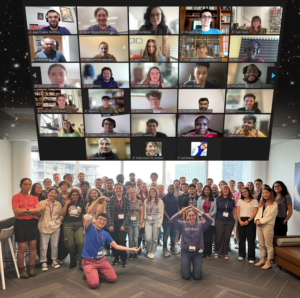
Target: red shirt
21 202
209 134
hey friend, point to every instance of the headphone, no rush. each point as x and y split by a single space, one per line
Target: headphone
110 120
246 67
252 41
42 41
51 10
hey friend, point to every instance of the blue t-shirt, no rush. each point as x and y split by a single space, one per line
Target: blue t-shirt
91 245
212 31
55 56
171 203
221 207
62 30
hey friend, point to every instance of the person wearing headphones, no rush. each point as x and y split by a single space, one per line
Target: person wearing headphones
201 129
106 108
206 19
249 100
105 79
61 104
105 150
53 18
203 104
109 124
252 76
251 48
48 51
104 55
200 74
152 125
248 129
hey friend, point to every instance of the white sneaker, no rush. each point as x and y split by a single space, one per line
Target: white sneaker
149 255
44 267
240 258
236 245
152 255
174 250
251 262
55 264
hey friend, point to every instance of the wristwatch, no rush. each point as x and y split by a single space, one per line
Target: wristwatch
27 210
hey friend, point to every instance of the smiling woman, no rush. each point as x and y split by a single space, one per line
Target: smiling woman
58 75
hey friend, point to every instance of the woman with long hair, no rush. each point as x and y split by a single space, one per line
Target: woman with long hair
154 77
285 208
153 217
37 191
152 52
250 186
143 195
100 207
262 189
265 221
207 204
225 220
256 27
247 207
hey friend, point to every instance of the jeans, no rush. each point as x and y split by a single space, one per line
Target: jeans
188 258
169 230
133 233
151 233
44 241
248 233
73 235
120 238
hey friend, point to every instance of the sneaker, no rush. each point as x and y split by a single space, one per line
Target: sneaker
44 267
124 263
23 273
174 250
260 263
31 270
151 255
54 264
251 262
267 265
166 253
236 245
107 252
240 258
135 257
131 256
115 261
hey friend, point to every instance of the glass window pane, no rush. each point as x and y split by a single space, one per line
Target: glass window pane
98 169
189 169
143 170
236 170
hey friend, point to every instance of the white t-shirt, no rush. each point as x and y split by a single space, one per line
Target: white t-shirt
246 209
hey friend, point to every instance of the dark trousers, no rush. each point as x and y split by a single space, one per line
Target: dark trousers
120 238
248 233
208 239
169 230
187 259
222 236
280 229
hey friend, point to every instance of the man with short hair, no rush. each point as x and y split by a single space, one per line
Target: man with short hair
139 182
202 129
209 181
248 128
249 100
152 125
191 199
120 179
203 104
56 179
132 180
206 17
176 184
81 177
110 188
195 181
215 190
182 180
232 186
257 186
53 18
106 108
109 124
69 177
154 177
170 201
48 51
98 185
84 186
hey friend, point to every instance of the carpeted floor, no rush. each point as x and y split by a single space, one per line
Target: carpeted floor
160 277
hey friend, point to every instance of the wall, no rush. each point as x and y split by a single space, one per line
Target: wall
93 123
142 46
70 48
5 173
31 17
216 99
117 46
281 166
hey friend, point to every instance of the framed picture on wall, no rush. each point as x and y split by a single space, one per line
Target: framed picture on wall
139 40
66 14
33 26
40 16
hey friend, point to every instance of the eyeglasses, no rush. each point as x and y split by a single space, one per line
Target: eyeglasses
206 17
202 47
152 15
102 219
110 124
153 99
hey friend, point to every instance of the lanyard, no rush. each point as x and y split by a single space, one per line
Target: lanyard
45 193
226 205
132 209
151 206
112 194
120 203
192 201
99 239
51 211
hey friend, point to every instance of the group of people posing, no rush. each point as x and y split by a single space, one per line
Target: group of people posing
61 219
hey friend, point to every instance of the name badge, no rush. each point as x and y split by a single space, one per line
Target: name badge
133 218
51 223
94 220
74 211
225 214
192 248
149 217
99 255
200 250
121 216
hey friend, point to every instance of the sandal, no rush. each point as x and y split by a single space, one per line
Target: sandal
216 256
207 257
61 262
226 257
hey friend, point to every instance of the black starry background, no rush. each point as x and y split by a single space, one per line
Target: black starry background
16 102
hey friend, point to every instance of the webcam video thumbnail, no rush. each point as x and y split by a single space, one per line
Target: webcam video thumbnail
61 125
154 48
148 125
195 125
247 125
154 101
103 48
256 20
105 75
108 148
211 48
53 48
253 49
205 19
58 100
154 75
51 20
201 101
202 75
154 20
113 126
198 148
253 101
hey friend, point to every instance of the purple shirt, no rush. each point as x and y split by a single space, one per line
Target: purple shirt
108 28
191 235
62 30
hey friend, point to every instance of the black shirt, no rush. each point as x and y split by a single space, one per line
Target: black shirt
187 201
160 135
181 199
77 216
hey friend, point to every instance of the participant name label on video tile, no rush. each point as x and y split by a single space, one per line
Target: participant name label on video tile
148 157
51 135
97 59
201 59
45 86
190 86
108 135
235 86
191 32
39 59
94 157
186 157
102 115
193 136
142 111
195 111
98 32
52 32
48 111
236 136
240 112
140 32
142 135
239 31
144 85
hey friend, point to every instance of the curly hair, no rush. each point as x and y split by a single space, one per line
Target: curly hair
147 17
